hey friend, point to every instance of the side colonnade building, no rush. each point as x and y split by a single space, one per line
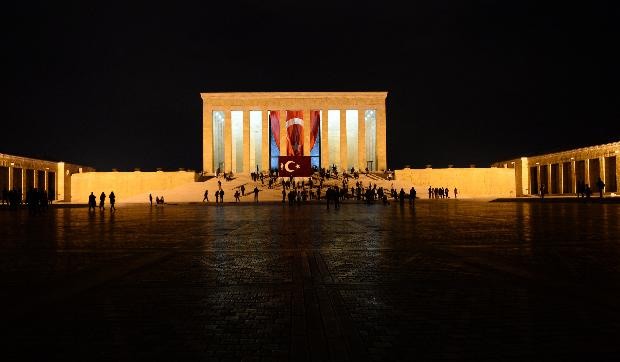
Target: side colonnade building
23 173
246 132
561 171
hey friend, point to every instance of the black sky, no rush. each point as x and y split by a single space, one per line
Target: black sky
469 82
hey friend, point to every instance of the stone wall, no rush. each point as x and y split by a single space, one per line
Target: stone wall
125 184
470 182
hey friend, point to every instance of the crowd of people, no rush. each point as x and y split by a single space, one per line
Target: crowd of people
441 192
36 199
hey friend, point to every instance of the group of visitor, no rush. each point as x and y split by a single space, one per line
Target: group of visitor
159 200
92 201
440 192
36 199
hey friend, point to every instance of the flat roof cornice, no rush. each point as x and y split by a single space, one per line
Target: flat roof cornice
289 95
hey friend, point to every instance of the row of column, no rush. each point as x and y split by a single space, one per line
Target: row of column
573 175
361 149
23 182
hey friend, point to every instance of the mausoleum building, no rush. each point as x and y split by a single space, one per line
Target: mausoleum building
245 132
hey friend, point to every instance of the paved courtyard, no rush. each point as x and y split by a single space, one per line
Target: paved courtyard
448 279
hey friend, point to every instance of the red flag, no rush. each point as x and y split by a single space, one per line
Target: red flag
274 118
296 166
294 131
315 121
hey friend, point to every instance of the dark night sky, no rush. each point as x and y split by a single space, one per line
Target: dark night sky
118 86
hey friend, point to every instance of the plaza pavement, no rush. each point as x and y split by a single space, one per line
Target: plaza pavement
444 280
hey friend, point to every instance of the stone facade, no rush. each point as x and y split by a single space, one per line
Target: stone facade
23 173
560 171
470 182
289 101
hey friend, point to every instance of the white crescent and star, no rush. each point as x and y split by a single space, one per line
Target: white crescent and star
286 166
289 162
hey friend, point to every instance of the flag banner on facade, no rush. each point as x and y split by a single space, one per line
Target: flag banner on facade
315 121
296 166
295 133
274 121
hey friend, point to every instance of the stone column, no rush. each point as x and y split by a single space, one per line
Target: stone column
11 170
227 141
361 139
601 162
24 184
525 177
265 144
539 181
343 139
35 176
60 182
560 177
246 143
306 132
381 141
283 136
207 138
46 180
573 176
549 179
586 178
324 139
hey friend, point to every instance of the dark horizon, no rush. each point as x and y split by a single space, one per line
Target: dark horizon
119 87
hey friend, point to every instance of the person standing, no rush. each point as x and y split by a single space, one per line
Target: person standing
102 201
92 202
151 199
242 190
430 192
221 196
455 192
256 193
112 201
401 196
217 196
601 186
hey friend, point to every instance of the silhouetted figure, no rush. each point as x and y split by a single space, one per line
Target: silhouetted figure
92 201
587 191
221 196
217 196
112 201
446 192
151 199
156 201
102 201
256 193
206 196
283 195
412 195
237 194
455 192
600 185
430 192
542 191
242 190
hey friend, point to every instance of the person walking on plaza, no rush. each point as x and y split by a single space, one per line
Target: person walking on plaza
401 196
221 196
102 201
601 186
242 190
430 192
542 191
455 192
151 199
217 196
283 195
412 195
256 194
112 201
206 196
237 199
92 202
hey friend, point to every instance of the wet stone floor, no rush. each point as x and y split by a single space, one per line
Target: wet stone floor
446 280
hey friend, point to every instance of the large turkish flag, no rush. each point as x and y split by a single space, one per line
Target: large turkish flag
296 166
